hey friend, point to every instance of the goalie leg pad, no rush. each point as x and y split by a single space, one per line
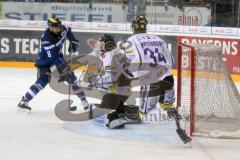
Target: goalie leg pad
166 100
114 101
115 119
147 103
132 113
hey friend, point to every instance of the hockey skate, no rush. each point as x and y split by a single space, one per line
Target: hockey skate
23 106
84 103
115 120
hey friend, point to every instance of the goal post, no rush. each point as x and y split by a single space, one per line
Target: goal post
180 78
206 92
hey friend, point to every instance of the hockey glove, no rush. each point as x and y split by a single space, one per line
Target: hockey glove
73 46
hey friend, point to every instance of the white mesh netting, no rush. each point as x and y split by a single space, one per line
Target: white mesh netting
217 101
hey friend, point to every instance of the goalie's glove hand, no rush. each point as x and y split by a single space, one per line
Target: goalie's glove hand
73 46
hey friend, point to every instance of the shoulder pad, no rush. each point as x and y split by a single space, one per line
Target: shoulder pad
47 36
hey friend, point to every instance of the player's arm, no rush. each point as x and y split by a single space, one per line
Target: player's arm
74 43
122 61
52 53
168 54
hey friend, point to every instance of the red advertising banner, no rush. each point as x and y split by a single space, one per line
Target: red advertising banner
230 49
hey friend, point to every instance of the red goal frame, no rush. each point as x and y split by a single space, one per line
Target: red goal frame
192 81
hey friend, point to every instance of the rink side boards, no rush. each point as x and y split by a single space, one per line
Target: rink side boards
8 64
117 28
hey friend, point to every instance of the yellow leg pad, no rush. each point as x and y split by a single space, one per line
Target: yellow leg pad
141 116
112 89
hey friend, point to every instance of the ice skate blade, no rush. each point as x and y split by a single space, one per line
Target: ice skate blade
26 111
188 144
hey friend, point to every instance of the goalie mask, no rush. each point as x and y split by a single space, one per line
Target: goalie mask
139 24
107 43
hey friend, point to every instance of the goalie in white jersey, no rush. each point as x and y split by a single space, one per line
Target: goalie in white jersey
112 80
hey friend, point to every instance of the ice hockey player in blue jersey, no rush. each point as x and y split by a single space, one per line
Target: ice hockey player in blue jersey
50 54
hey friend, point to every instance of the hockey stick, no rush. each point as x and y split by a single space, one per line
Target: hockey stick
63 113
173 112
73 108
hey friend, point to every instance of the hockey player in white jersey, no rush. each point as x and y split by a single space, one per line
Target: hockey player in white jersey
152 50
111 75
149 49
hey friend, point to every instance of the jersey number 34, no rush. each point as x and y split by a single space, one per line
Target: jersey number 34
155 55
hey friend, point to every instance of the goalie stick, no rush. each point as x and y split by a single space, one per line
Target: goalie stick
173 112
63 113
70 108
95 111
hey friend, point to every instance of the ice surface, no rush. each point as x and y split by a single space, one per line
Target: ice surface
41 136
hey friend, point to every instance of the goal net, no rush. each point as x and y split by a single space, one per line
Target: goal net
206 92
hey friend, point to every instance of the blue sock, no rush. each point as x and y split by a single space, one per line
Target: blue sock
32 92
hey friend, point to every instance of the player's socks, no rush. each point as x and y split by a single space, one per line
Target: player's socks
32 92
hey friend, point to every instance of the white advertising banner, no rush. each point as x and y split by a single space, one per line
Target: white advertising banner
190 16
9 23
197 30
109 26
169 28
100 12
224 31
103 12
238 31
78 25
33 24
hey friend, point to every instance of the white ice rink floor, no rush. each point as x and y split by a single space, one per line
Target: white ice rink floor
42 136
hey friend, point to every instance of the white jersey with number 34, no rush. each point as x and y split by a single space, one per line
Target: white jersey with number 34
150 49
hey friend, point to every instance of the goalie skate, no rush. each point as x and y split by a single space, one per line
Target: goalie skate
115 120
